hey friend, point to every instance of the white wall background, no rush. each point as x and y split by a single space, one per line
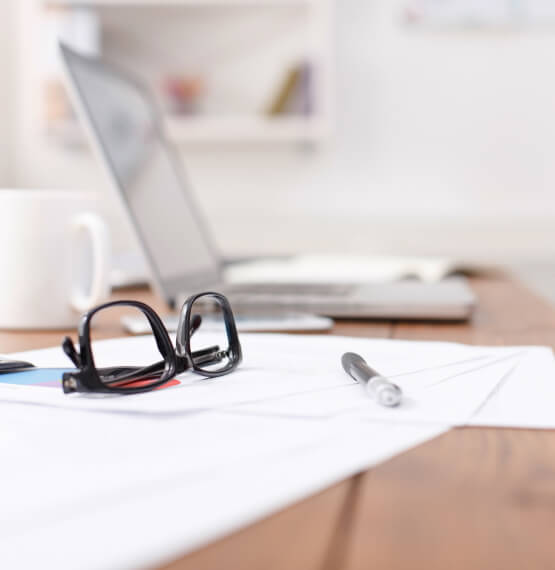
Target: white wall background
5 92
444 143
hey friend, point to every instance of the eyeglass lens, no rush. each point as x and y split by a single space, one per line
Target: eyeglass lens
147 364
210 344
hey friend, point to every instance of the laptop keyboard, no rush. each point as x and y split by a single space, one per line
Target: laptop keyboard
312 289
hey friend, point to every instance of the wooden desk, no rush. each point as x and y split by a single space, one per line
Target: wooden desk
472 498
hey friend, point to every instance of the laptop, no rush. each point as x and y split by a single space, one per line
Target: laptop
124 125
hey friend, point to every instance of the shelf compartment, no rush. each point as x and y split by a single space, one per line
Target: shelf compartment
162 3
245 129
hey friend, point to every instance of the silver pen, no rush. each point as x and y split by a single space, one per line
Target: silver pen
379 387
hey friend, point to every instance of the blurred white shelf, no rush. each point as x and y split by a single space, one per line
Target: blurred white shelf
246 129
315 17
489 14
218 130
159 3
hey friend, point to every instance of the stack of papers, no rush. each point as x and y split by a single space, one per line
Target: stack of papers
152 476
342 269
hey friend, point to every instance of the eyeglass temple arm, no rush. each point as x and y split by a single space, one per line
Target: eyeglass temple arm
69 348
208 355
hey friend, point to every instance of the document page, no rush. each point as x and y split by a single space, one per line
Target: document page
301 376
180 467
171 483
526 397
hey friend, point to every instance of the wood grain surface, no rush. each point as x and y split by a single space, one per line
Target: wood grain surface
473 498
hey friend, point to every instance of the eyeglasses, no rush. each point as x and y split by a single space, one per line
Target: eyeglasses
218 352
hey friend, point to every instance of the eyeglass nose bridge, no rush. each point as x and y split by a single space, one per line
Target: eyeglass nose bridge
187 326
183 362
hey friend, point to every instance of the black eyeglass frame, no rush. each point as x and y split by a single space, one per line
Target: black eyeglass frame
176 360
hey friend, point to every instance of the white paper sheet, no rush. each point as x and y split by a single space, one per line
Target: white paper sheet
447 394
153 476
526 397
92 490
341 269
302 376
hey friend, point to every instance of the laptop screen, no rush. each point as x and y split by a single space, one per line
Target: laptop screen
146 172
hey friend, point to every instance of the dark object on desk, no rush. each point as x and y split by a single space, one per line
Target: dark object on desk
208 361
378 387
7 366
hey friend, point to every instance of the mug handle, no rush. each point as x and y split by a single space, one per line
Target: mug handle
99 237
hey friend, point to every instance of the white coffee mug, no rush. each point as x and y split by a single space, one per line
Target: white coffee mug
54 258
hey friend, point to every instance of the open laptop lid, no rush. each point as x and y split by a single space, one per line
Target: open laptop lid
125 128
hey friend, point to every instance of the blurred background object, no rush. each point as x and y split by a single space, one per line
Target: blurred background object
56 258
79 27
182 94
480 13
295 92
425 127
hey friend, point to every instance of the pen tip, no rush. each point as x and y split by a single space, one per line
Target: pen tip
389 396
